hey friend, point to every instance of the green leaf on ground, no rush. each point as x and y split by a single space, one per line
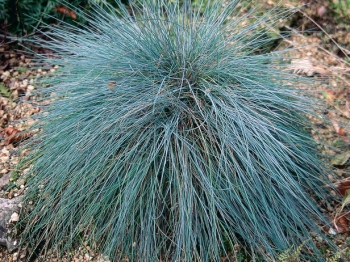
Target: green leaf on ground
341 160
4 91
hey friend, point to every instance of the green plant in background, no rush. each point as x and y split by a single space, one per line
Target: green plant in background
342 8
23 17
169 136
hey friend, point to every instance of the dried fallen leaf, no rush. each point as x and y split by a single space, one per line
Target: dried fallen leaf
305 66
341 223
111 84
13 135
330 95
343 187
64 10
341 132
337 128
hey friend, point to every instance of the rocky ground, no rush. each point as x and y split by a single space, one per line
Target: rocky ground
319 55
17 78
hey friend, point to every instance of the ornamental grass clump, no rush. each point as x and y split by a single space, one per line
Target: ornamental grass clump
169 133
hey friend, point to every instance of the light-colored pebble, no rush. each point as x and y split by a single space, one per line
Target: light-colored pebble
14 217
332 231
4 159
15 94
87 257
24 85
15 256
5 151
6 74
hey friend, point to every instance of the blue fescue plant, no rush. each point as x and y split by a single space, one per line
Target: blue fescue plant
169 134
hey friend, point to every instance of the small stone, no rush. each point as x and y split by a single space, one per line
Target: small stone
52 70
5 151
87 257
15 94
23 152
24 85
30 88
14 217
321 11
56 67
40 70
5 179
331 231
15 256
4 159
30 122
5 75
4 102
20 182
13 61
